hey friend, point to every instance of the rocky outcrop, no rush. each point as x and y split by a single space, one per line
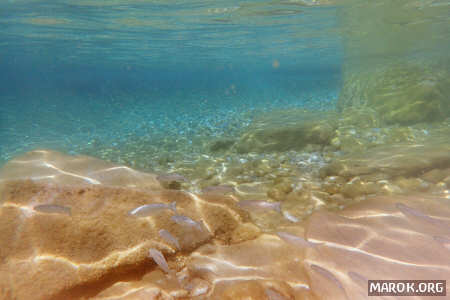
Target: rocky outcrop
66 237
400 94
393 160
331 256
287 130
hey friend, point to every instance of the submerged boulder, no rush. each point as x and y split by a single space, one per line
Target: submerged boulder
393 160
68 235
287 130
401 94
221 145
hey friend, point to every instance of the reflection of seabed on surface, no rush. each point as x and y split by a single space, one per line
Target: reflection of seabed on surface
329 256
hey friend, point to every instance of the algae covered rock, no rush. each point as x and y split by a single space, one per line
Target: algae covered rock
281 188
172 181
435 175
287 130
221 145
404 93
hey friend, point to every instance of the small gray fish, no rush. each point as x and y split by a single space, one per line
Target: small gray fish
151 209
410 211
169 238
183 220
159 259
53 209
274 295
356 277
361 281
296 240
442 240
259 205
330 276
406 210
290 217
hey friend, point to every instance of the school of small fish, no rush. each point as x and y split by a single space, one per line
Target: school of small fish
155 208
251 205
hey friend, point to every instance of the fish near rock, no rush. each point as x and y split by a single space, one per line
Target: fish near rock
151 209
186 221
53 209
159 259
168 237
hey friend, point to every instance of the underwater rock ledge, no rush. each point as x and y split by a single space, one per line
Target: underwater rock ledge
69 235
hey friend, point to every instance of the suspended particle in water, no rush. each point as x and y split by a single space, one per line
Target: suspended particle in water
275 63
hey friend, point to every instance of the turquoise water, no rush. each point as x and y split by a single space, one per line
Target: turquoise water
74 75
90 77
267 149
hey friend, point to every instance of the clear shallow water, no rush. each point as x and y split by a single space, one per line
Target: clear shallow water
86 108
75 74
87 76
280 130
106 79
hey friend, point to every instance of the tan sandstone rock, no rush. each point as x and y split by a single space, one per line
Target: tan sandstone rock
63 241
79 241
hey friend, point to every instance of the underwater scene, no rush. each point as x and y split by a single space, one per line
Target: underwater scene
239 149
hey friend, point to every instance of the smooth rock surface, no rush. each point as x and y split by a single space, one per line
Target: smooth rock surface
100 251
58 168
393 160
49 254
